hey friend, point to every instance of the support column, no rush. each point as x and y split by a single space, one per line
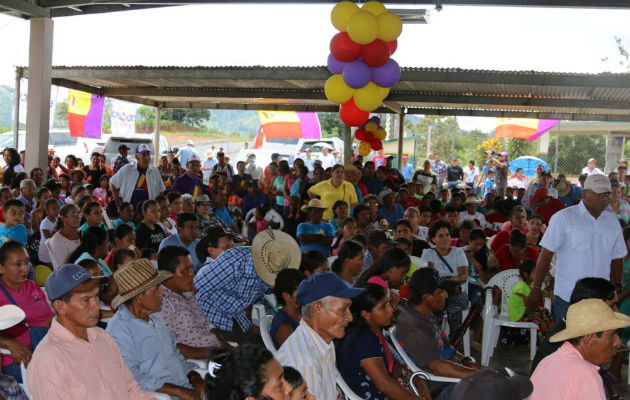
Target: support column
15 123
156 136
401 133
347 144
39 81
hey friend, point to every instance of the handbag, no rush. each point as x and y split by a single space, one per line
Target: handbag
36 333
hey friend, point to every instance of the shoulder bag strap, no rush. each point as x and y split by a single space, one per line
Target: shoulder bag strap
444 261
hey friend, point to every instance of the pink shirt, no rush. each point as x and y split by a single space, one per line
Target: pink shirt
66 367
566 375
377 280
32 300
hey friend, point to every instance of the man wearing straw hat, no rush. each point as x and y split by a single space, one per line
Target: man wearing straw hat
144 341
76 359
229 285
590 341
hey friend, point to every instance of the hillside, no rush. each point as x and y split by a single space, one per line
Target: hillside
244 123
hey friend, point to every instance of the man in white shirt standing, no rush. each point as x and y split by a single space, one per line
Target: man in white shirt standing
139 181
591 169
588 242
471 172
325 316
328 160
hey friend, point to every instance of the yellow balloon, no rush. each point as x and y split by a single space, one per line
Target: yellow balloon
389 26
371 127
336 90
363 27
342 13
384 92
375 7
368 98
364 148
380 134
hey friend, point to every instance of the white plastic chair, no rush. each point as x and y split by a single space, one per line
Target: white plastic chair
345 389
271 300
466 338
492 322
411 364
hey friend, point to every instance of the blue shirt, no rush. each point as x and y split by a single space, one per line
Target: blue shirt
307 228
391 216
374 186
295 188
249 202
227 286
87 256
119 222
15 232
224 215
489 185
184 154
149 350
175 240
85 225
281 318
407 172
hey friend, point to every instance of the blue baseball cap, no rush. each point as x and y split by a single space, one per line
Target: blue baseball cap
66 278
325 284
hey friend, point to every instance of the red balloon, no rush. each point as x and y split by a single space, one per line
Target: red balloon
360 134
343 48
376 144
376 53
369 136
351 115
393 45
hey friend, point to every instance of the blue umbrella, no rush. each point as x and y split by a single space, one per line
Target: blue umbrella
529 165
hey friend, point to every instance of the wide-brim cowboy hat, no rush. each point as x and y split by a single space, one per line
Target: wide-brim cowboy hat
314 203
273 251
134 278
590 316
383 193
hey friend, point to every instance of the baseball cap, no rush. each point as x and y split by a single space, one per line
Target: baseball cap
453 158
504 154
591 160
377 237
425 280
143 148
123 147
539 195
193 158
545 173
66 278
190 143
598 183
325 284
493 385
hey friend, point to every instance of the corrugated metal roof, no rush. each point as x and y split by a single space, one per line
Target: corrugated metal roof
577 96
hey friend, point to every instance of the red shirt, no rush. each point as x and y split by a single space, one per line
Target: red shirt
412 201
494 217
547 211
502 238
507 261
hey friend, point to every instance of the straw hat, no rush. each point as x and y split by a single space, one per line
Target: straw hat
313 203
563 187
273 251
383 193
83 173
471 200
590 316
209 154
134 278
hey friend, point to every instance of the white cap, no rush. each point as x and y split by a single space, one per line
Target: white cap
142 148
190 143
193 158
598 183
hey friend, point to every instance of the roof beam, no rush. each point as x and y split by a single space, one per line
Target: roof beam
519 114
26 9
220 93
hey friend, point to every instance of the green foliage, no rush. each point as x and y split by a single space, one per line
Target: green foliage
331 125
171 119
574 152
519 147
106 126
242 122
60 119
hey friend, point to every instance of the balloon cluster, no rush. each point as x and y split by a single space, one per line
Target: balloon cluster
370 134
360 59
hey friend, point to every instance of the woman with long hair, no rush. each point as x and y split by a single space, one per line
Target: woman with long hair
12 165
364 359
248 372
347 229
388 270
349 262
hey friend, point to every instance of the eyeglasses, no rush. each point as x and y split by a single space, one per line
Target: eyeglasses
74 215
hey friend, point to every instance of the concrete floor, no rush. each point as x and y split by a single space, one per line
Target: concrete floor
517 359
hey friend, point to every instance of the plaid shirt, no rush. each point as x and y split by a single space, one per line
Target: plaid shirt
227 286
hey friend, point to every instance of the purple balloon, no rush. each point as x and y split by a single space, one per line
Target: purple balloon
335 66
376 120
387 75
356 74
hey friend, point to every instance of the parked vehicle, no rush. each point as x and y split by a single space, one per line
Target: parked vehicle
315 145
113 142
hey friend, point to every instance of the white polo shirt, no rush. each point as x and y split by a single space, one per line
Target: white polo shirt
585 246
127 177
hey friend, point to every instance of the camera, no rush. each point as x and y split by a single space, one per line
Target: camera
491 153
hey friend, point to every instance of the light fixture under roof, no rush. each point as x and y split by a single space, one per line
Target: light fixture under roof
412 16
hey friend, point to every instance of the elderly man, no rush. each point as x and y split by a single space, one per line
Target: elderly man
328 160
144 341
423 338
545 182
138 181
194 334
186 152
471 213
389 210
229 285
190 182
76 359
325 300
27 194
571 372
588 242
187 236
591 169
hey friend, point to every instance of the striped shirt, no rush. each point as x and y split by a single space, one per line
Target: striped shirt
227 286
308 353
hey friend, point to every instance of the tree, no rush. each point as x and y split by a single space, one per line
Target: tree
60 119
574 152
330 124
519 147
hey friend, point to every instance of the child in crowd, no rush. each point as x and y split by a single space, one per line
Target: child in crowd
348 229
298 384
313 262
41 196
489 183
149 234
300 175
340 212
516 303
14 229
122 237
48 225
102 192
125 215
93 215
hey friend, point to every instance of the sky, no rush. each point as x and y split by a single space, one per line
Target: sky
498 38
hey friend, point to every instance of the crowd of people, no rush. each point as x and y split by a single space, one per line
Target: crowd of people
127 272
